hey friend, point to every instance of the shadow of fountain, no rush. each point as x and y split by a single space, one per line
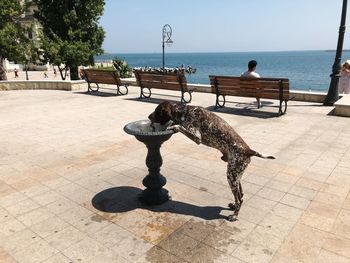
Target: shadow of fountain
125 198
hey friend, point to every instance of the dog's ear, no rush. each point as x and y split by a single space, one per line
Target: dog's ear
162 114
165 112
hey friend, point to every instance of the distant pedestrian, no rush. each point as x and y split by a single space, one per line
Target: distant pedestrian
45 75
250 73
344 82
81 74
16 73
54 72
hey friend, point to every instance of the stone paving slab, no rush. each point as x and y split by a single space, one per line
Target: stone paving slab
70 176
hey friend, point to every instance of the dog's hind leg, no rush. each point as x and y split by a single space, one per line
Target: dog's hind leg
241 190
235 169
237 205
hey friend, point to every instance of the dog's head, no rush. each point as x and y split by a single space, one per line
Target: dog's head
162 114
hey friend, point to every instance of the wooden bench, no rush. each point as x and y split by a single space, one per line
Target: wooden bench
263 88
96 76
159 80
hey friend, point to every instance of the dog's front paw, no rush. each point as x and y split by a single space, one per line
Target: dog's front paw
197 140
175 128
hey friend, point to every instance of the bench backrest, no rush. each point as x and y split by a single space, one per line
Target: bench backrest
268 88
160 80
102 76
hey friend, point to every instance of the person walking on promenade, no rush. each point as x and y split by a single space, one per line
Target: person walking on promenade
81 74
250 73
54 72
344 82
45 75
16 73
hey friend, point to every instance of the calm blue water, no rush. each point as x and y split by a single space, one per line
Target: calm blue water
306 70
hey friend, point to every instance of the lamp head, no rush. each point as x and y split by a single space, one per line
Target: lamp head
169 42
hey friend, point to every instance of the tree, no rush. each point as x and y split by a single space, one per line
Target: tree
122 67
31 54
13 37
71 33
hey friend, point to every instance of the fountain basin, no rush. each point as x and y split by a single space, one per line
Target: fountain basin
143 131
154 193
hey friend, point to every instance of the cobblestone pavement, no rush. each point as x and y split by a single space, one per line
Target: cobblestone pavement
64 156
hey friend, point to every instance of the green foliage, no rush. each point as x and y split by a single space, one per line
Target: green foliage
13 38
71 33
10 11
104 68
31 53
122 67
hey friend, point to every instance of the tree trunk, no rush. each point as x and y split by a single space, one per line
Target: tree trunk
26 65
61 73
2 70
74 72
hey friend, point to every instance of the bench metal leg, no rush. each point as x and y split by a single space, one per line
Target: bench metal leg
217 103
259 103
143 95
119 92
183 96
90 87
282 110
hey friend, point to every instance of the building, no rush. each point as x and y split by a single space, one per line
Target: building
28 21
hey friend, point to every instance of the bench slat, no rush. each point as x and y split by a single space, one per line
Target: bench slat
159 78
159 85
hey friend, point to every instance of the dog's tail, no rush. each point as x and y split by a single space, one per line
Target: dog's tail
254 153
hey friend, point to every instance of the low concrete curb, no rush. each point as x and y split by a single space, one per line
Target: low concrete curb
43 84
342 106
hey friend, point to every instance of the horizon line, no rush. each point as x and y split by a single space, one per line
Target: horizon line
202 52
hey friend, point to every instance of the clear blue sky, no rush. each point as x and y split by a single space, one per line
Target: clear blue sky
222 25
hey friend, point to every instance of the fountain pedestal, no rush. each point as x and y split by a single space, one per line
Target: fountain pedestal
154 194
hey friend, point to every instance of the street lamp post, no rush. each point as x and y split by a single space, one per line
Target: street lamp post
167 32
333 91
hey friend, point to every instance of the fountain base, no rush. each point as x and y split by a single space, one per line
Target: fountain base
154 194
149 197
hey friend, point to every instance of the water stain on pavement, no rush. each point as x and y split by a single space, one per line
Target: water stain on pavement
267 252
184 246
97 218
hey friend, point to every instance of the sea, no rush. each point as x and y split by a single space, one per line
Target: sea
306 70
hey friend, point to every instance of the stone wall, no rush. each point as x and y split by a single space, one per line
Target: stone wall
43 84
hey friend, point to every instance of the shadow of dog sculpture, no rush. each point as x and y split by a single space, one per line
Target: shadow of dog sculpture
203 126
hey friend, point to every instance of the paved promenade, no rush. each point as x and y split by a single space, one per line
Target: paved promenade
70 176
36 75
